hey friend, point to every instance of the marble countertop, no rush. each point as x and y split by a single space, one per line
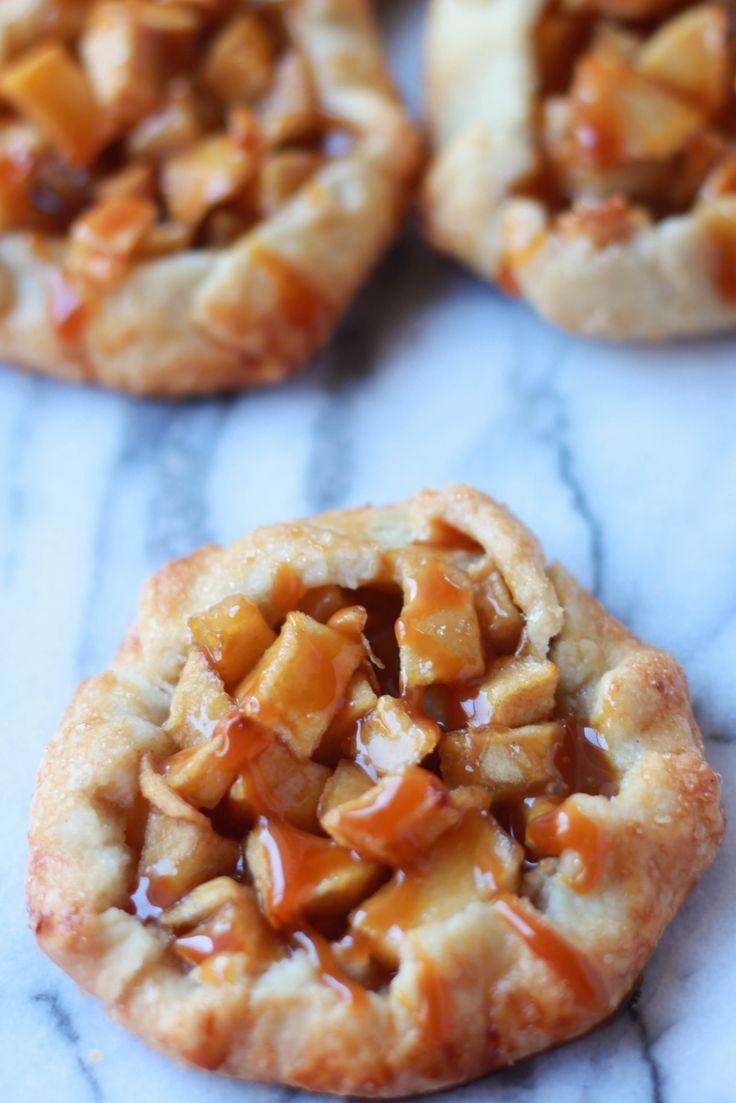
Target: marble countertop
622 459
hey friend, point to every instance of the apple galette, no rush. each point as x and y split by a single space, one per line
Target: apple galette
585 158
191 191
371 803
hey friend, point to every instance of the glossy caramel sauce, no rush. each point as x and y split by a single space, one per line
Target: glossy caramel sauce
583 763
297 863
383 608
393 812
238 739
287 588
444 536
322 956
596 125
435 1005
155 891
567 828
572 966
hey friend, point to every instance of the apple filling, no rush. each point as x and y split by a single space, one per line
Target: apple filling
349 765
135 130
636 117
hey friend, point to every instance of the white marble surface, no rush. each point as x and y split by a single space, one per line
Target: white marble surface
623 460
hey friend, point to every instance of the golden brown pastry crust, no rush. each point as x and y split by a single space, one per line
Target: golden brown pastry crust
662 280
252 313
503 1000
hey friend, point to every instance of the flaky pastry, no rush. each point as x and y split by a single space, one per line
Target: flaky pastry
191 191
371 803
585 158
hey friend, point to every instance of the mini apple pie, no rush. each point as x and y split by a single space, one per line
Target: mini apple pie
585 158
191 191
371 803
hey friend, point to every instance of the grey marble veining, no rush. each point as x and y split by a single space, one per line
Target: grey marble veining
623 460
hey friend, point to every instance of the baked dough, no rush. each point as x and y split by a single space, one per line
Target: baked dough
191 192
584 158
293 959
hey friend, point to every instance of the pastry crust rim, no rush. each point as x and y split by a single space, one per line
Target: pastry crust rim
198 322
287 1026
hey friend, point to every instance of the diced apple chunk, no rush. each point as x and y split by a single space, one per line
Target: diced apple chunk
691 55
239 63
222 916
465 797
198 702
299 876
290 110
120 62
347 783
438 632
47 86
277 785
501 622
233 635
518 690
619 115
321 602
472 862
397 822
510 763
172 129
217 168
180 854
360 698
300 683
106 237
393 736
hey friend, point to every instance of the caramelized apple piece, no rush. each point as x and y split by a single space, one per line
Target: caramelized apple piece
239 62
171 130
136 181
180 854
233 634
214 170
120 62
360 698
396 822
510 762
471 862
198 702
618 115
393 735
501 622
49 88
222 916
298 875
290 111
347 783
690 54
300 683
200 774
517 690
465 797
438 633
321 602
279 786
104 240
